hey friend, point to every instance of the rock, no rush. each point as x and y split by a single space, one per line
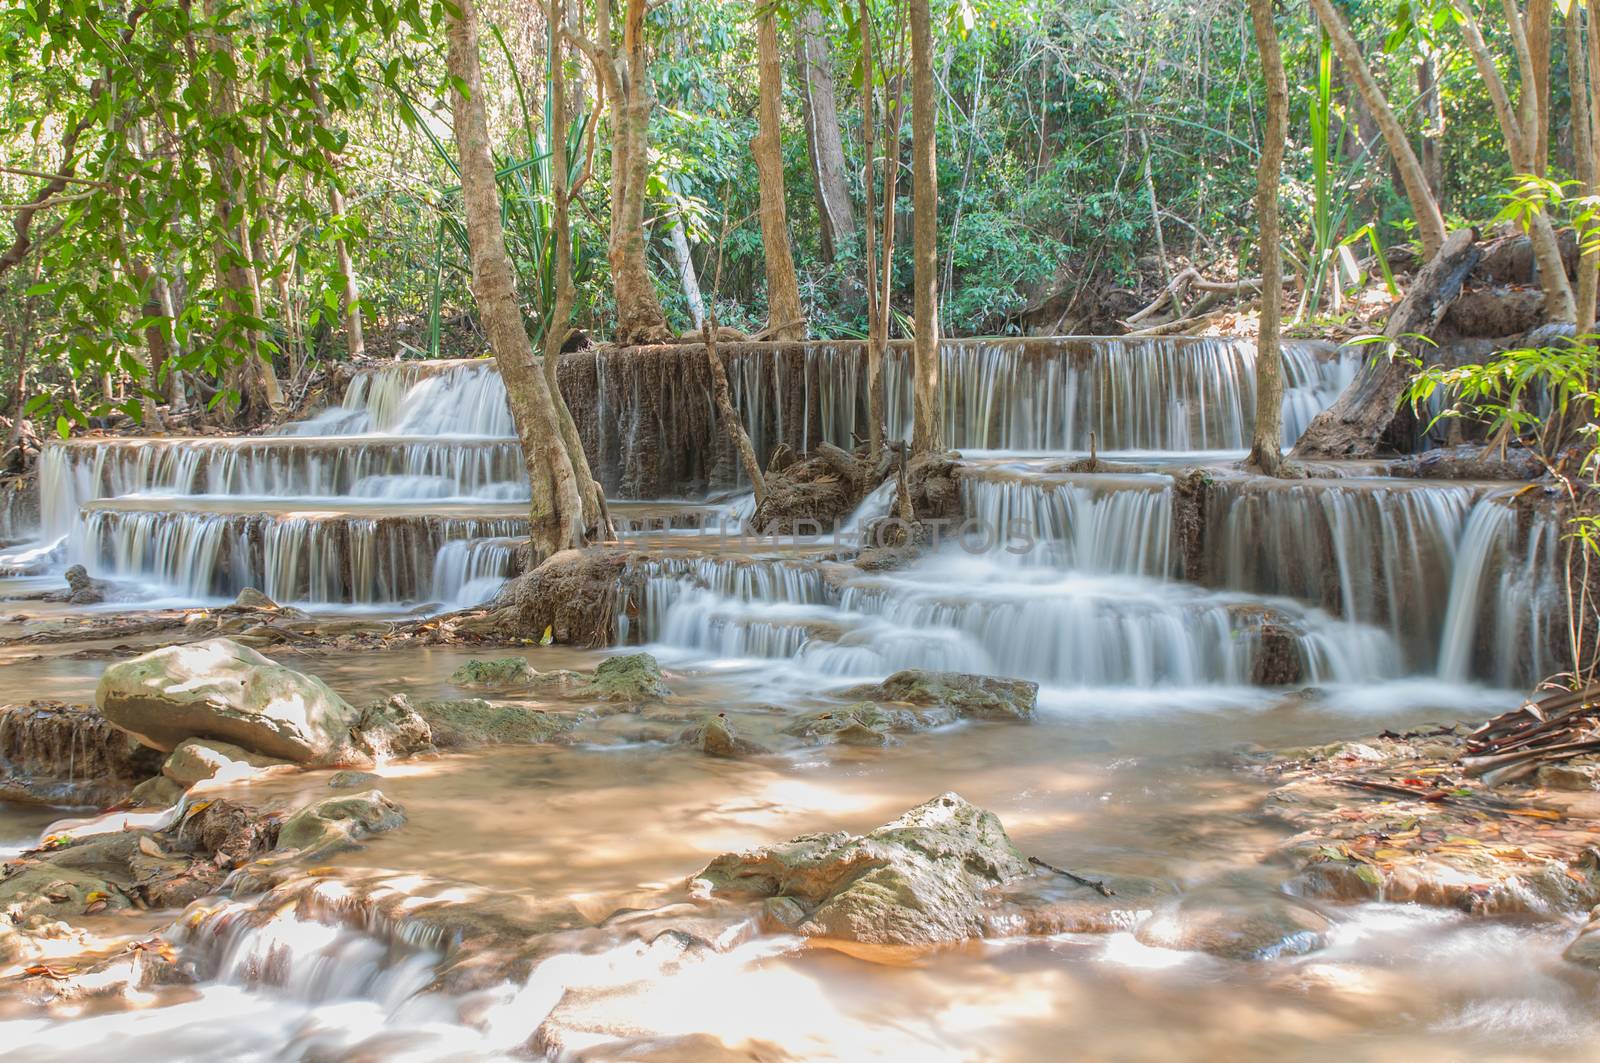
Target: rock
340 822
59 754
196 760
468 722
575 595
85 590
1261 930
918 881
1047 904
250 598
498 674
1585 948
393 730
1579 774
980 697
867 724
218 689
43 891
159 792
715 737
632 678
349 780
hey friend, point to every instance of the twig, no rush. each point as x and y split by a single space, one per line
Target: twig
1093 883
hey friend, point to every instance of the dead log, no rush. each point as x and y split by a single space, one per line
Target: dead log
1369 415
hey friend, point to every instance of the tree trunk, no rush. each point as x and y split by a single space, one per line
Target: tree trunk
729 417
1517 129
1538 23
355 338
625 74
835 214
1430 222
925 253
1433 108
686 273
595 516
1581 73
556 511
241 296
785 319
1368 414
1266 446
869 102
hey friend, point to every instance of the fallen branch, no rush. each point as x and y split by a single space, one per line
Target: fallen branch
1093 883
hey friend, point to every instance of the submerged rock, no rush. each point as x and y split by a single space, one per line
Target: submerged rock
349 780
1264 929
36 891
218 689
159 792
497 674
982 697
715 737
340 822
867 724
466 722
917 881
196 760
632 678
68 755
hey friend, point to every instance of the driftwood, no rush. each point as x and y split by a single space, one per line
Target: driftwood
1093 883
1369 412
1191 280
1518 743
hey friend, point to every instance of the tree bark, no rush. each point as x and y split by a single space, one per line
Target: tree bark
729 417
925 252
785 318
1517 129
1424 207
869 102
1581 74
355 338
596 518
1266 447
686 274
556 511
1538 27
241 294
835 213
1368 414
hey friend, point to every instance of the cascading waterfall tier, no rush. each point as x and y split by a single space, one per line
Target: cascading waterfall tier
369 554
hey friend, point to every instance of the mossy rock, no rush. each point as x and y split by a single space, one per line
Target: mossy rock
340 822
498 674
633 678
980 697
463 723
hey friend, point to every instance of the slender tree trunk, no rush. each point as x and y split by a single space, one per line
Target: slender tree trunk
686 273
1266 443
1424 207
869 102
835 214
257 383
1433 135
925 253
595 516
1517 128
556 511
785 318
1538 27
1580 76
355 336
729 416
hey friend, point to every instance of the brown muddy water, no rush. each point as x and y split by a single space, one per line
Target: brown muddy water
1109 783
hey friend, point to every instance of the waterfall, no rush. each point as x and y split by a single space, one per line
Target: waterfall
1094 523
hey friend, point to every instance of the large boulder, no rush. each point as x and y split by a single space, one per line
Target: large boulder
918 881
220 690
52 753
983 697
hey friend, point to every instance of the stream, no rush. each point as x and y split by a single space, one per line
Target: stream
1172 646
